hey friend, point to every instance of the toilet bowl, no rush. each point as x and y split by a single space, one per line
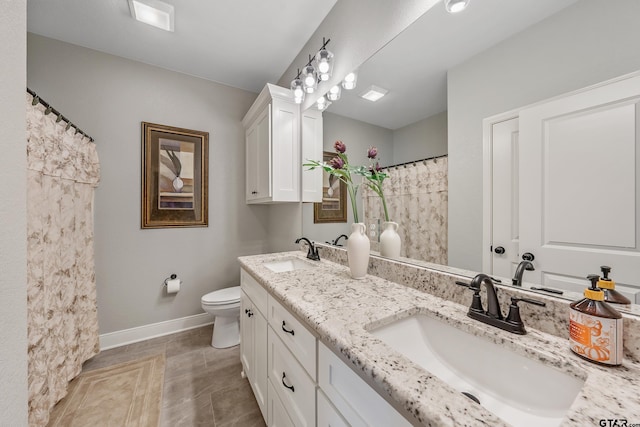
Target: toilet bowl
224 304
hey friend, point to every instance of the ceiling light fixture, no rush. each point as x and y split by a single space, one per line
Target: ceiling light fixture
350 81
334 93
374 93
455 6
298 89
322 103
153 12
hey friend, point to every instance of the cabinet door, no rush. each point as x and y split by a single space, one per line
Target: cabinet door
259 382
580 185
246 336
285 155
328 416
311 150
277 414
258 160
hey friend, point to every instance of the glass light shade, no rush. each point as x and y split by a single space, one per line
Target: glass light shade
455 6
298 90
334 93
322 103
309 79
324 64
350 81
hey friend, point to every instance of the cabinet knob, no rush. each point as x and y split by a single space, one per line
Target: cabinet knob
254 192
499 250
528 256
248 312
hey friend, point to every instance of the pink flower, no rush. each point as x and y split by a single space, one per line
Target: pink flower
377 168
372 152
337 162
340 147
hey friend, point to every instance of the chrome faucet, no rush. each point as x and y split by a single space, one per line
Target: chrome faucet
524 265
493 316
335 242
313 251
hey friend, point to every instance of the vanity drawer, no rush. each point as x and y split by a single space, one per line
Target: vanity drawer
278 416
328 416
254 291
294 335
357 401
293 386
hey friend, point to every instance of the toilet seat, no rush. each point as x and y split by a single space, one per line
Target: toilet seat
222 296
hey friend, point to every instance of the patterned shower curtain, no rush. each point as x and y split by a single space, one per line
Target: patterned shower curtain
417 197
62 172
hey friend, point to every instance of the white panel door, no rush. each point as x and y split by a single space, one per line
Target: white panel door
580 185
505 209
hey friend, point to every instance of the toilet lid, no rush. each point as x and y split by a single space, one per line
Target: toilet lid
222 296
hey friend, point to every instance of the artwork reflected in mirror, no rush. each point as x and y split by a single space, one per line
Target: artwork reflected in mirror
333 207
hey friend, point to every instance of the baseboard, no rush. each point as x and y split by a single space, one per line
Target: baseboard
141 333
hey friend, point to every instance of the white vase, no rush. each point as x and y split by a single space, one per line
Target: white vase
390 243
358 248
178 184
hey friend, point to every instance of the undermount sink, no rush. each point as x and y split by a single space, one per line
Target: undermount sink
287 264
521 391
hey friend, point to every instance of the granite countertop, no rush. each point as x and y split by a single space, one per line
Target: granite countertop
340 310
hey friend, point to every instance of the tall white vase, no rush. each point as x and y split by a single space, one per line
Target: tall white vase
358 248
390 243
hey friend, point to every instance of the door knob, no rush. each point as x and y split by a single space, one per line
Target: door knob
528 256
499 250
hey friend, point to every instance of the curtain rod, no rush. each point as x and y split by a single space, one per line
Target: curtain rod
50 109
415 161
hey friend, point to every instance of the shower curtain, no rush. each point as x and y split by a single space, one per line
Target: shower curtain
417 196
62 172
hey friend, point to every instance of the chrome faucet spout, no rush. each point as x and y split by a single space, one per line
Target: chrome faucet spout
493 306
517 278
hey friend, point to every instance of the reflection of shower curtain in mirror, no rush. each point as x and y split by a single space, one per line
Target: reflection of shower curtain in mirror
417 196
62 173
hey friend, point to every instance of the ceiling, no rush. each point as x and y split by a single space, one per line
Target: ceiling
239 43
413 66
247 43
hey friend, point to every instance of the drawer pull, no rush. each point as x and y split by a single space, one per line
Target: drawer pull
286 330
248 312
290 387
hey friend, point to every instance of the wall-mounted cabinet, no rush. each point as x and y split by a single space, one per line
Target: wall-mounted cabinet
278 139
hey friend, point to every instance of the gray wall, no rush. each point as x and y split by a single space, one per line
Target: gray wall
358 137
108 97
13 211
420 140
586 43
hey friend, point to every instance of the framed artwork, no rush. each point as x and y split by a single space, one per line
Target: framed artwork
333 207
175 173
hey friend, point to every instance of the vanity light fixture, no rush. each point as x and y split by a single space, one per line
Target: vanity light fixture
324 62
319 68
334 93
153 12
322 103
374 93
298 89
455 6
309 78
350 81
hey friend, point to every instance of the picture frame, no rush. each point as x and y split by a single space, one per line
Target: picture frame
333 207
175 177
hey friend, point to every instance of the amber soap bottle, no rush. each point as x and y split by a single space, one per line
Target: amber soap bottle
595 328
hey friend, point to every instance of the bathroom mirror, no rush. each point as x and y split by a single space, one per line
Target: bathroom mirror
415 105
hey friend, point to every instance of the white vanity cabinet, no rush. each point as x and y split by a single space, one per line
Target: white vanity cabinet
355 402
253 337
273 157
296 379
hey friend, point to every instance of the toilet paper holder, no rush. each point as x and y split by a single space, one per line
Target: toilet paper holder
172 277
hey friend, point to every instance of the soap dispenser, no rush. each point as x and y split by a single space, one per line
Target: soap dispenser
609 288
595 328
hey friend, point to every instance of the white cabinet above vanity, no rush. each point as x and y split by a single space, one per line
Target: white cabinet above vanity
278 139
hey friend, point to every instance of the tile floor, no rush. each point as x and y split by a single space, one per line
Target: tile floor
202 384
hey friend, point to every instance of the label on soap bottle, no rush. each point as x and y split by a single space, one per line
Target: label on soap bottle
596 338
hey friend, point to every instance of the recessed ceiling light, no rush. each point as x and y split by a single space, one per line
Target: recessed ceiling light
455 6
153 12
374 93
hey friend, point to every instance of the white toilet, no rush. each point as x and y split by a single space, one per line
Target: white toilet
224 304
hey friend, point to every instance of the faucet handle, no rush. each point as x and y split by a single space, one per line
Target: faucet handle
514 313
476 301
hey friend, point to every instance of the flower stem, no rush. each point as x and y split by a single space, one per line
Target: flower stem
384 205
354 206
